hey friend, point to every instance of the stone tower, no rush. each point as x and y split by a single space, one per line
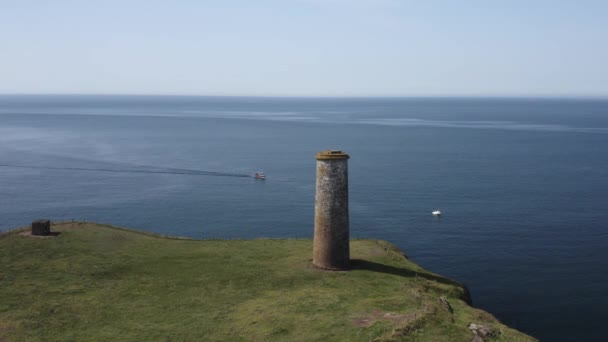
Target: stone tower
331 242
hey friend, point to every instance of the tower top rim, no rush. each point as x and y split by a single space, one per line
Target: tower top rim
331 155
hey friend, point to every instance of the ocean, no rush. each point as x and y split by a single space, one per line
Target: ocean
522 183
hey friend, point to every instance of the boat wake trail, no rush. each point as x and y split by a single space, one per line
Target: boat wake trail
139 169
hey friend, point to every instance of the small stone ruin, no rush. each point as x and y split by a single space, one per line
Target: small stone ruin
41 227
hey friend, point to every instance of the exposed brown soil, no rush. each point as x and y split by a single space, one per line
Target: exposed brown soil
28 233
5 332
377 315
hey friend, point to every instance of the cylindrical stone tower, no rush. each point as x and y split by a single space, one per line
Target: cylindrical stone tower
331 243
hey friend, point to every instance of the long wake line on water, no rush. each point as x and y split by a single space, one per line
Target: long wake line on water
157 171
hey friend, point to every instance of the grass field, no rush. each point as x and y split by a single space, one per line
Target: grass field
99 283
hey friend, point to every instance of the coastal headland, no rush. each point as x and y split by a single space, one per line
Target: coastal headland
90 281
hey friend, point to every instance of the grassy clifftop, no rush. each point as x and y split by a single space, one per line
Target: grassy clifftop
95 282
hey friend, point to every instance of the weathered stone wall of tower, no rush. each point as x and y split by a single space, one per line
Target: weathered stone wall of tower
331 241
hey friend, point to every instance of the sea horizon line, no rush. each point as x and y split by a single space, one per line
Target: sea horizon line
304 97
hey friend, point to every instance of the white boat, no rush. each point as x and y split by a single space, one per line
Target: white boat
436 212
259 175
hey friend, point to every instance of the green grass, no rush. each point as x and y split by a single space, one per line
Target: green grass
96 282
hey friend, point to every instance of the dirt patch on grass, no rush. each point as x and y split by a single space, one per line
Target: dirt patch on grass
28 233
5 332
377 315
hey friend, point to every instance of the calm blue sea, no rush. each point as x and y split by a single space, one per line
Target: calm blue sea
522 183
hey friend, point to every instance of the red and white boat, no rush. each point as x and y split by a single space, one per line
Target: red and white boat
259 175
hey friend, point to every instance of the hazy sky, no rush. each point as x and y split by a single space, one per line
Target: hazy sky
305 47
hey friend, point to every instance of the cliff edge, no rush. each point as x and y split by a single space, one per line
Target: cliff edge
97 282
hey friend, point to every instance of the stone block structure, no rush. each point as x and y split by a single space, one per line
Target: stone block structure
41 227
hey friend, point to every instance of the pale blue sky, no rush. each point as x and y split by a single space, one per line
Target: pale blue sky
305 47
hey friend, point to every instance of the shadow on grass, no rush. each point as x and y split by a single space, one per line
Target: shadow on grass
358 264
